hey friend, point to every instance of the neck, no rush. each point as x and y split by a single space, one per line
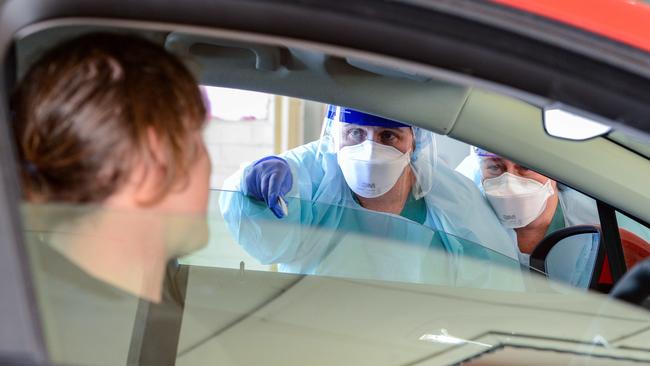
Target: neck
530 235
394 200
122 249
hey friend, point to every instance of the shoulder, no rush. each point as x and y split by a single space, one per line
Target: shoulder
449 180
302 154
453 192
578 208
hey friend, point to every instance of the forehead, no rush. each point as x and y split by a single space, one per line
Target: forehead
490 157
496 159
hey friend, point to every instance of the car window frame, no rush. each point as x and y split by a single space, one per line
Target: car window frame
17 300
21 337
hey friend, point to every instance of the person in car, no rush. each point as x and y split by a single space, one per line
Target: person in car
116 180
367 175
108 129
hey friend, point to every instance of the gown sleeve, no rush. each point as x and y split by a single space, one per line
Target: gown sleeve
253 225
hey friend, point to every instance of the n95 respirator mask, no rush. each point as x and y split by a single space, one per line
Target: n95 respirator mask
371 169
517 201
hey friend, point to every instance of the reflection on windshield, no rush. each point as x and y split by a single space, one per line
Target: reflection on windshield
358 243
219 312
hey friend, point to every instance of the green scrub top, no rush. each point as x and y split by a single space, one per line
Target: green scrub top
557 222
415 210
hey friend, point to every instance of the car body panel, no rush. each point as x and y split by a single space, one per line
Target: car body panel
624 21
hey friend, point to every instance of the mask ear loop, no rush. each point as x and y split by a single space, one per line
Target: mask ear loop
550 189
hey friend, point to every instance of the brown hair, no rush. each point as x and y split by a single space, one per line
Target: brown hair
83 112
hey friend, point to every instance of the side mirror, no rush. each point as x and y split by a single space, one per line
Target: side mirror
558 122
570 255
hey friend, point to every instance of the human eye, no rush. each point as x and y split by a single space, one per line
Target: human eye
355 134
492 168
387 136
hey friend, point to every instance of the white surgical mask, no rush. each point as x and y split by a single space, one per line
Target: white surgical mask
371 169
517 201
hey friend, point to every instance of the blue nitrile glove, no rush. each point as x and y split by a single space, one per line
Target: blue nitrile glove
269 180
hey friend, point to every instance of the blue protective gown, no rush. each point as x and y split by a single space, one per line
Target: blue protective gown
327 232
577 209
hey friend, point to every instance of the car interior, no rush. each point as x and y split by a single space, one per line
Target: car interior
235 310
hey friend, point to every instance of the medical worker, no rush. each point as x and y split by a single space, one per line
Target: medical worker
533 206
366 175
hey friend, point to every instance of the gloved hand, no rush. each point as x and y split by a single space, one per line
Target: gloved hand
269 180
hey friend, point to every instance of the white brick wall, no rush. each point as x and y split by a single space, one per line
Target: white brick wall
230 144
233 143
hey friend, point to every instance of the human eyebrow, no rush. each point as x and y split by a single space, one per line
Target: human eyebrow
397 131
492 159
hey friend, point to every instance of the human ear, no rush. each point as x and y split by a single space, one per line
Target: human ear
150 170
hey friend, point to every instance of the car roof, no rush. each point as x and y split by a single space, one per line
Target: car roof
624 21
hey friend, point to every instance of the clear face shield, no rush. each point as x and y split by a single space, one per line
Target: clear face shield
488 163
373 153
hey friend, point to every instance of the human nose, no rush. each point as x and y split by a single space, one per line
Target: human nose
375 137
516 169
513 168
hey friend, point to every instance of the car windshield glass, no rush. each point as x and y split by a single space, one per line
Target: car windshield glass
362 244
218 303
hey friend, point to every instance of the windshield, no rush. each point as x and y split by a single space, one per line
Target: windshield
367 244
220 302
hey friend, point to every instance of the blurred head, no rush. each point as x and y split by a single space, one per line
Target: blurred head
115 120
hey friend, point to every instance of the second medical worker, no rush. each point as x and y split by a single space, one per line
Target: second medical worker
367 175
531 206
